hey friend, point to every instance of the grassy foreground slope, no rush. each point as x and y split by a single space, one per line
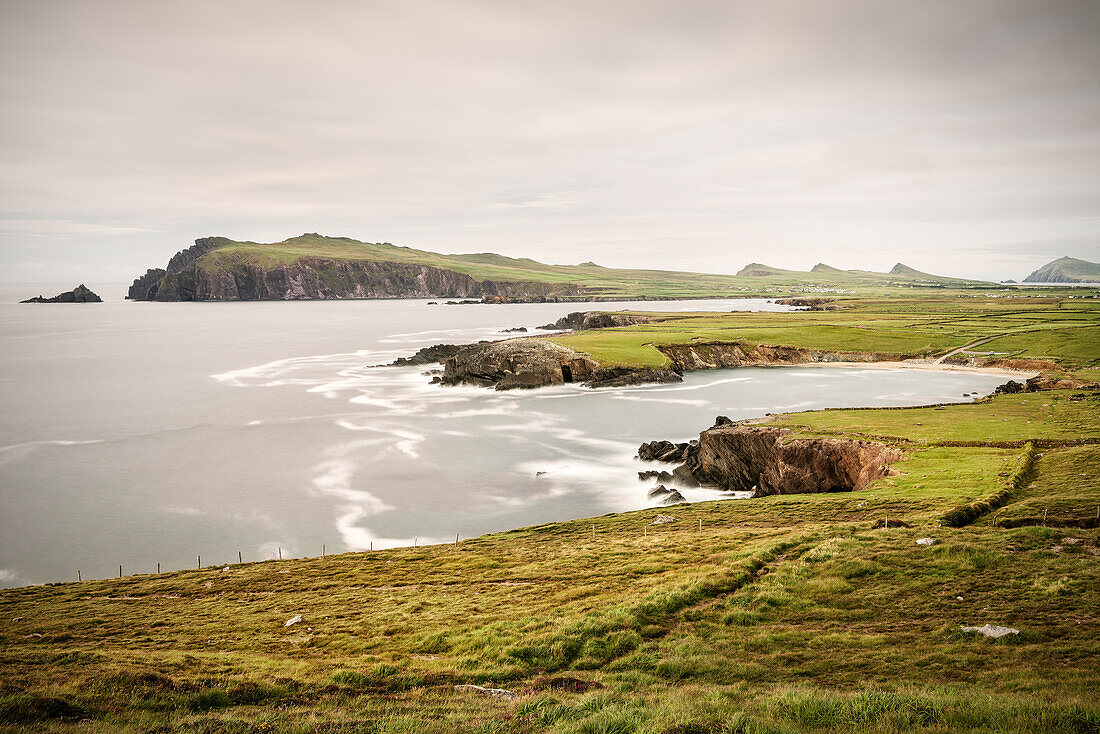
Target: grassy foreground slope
594 280
797 613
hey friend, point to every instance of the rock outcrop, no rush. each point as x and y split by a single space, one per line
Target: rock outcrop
810 304
80 294
712 355
517 363
1040 383
144 288
766 461
529 363
583 320
666 496
526 363
430 355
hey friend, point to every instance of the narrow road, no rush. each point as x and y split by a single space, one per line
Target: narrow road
968 346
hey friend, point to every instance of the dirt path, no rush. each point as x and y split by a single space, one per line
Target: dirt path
968 346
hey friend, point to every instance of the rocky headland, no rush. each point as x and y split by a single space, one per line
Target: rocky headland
192 275
80 294
530 362
736 457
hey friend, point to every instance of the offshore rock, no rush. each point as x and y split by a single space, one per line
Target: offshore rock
430 355
80 294
666 496
665 451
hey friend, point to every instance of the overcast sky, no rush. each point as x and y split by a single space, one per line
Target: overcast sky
958 137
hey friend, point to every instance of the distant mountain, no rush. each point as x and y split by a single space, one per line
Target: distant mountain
1066 270
756 270
821 273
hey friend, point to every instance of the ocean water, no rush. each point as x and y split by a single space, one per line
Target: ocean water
145 433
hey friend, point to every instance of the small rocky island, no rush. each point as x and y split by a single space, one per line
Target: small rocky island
80 294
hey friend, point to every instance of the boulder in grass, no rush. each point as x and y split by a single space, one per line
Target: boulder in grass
994 631
492 692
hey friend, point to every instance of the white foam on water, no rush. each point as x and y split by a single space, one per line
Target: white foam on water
275 373
667 401
682 388
56 442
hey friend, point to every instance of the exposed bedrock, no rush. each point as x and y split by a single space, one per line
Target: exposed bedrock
322 278
528 363
582 320
1040 383
712 355
764 461
430 355
144 288
517 363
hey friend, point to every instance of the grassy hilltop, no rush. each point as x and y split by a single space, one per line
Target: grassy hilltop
335 266
789 613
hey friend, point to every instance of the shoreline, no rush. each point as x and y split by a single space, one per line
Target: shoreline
913 365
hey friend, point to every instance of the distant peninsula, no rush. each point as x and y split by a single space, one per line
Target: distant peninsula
1066 270
80 294
315 267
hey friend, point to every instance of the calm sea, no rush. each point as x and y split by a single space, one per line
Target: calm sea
138 433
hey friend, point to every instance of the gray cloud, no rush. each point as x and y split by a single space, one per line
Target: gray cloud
668 134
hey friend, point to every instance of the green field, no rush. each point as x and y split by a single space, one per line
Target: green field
789 613
1064 330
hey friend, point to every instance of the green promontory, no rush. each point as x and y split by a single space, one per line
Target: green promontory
313 266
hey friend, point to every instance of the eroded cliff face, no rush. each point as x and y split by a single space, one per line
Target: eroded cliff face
322 278
529 363
712 355
144 288
516 363
190 277
765 461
